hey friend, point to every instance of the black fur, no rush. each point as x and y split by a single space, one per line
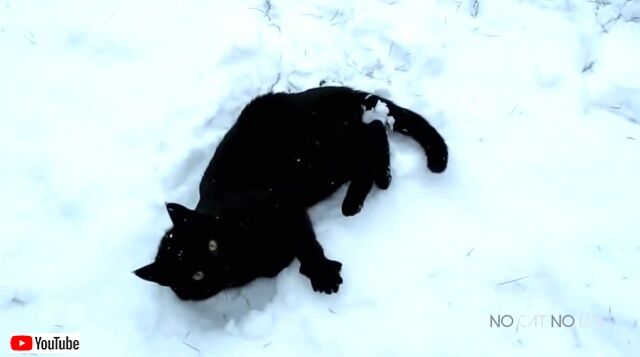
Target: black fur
285 153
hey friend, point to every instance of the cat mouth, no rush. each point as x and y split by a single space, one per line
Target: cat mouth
194 296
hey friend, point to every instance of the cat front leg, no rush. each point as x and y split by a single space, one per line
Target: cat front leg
323 273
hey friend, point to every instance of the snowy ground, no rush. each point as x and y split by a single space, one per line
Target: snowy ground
110 108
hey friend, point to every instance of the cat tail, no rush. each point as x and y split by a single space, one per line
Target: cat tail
415 126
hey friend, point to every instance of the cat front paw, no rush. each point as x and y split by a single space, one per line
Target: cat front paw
324 275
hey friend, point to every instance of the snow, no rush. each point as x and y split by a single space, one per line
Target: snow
109 109
380 112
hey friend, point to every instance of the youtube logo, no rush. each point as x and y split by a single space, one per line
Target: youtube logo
37 343
21 343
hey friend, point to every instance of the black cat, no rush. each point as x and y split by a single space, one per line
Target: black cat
285 153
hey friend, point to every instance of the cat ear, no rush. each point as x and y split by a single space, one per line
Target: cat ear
178 213
153 273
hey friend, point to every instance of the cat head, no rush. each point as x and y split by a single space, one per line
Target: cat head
195 256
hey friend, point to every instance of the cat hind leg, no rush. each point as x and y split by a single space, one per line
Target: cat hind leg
372 167
379 146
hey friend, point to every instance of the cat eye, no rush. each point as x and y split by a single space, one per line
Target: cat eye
213 245
198 275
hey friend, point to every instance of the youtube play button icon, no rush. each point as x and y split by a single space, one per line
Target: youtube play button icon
21 343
